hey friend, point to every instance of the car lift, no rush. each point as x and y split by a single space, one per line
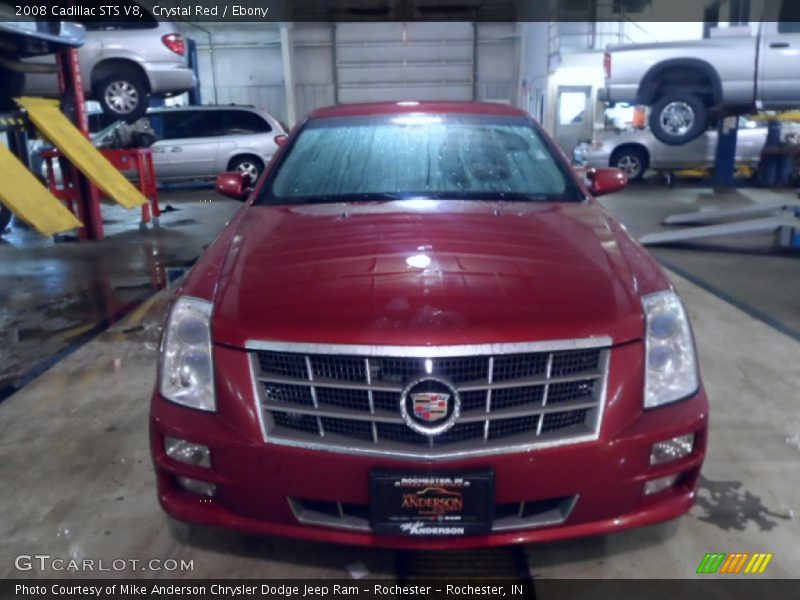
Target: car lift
782 218
22 192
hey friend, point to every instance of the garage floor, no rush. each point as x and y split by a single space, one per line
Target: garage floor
79 483
56 295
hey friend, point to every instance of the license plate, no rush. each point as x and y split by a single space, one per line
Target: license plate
432 504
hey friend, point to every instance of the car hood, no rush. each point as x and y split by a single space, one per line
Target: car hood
425 273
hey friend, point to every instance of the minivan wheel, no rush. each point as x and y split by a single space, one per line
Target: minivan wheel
678 118
247 165
631 160
123 96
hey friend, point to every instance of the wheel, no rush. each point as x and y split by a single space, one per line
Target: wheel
631 160
5 218
247 165
123 96
678 118
13 86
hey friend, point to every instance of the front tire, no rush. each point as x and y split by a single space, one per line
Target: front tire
247 165
123 96
678 118
633 161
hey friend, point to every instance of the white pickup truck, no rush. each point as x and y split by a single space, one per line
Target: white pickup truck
687 84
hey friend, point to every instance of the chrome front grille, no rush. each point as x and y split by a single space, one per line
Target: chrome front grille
512 396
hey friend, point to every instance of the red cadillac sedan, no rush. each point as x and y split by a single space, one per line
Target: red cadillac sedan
423 331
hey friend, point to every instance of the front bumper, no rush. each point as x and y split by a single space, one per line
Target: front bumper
255 480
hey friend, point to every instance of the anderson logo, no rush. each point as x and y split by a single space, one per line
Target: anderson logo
434 501
420 528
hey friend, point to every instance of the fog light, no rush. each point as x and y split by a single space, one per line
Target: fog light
672 449
660 484
187 452
197 487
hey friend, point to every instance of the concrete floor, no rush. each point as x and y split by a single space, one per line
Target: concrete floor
79 482
749 270
54 294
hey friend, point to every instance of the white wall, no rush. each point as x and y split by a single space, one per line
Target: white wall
357 62
240 63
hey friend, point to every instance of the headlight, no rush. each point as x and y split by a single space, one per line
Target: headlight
670 363
187 366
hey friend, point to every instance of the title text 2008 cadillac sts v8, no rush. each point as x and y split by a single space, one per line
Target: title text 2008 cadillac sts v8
422 331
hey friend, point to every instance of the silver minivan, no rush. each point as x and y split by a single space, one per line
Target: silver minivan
636 151
123 64
200 142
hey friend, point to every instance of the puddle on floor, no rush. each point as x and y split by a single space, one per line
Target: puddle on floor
731 508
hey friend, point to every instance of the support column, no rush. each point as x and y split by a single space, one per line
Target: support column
725 159
287 56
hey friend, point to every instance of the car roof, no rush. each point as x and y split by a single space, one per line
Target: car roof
405 107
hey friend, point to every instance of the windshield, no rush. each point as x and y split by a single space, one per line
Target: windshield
470 157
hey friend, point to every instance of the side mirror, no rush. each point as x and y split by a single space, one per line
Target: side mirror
280 140
606 180
233 185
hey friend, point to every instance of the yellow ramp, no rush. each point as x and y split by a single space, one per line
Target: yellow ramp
30 200
48 119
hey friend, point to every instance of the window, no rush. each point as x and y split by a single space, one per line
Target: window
404 156
210 123
789 17
571 108
182 124
173 124
243 121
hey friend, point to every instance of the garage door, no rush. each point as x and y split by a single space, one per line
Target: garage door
395 61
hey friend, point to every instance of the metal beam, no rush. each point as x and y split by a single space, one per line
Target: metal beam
287 56
766 225
705 217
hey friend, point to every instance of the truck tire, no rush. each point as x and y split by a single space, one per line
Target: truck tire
5 218
123 95
632 160
678 118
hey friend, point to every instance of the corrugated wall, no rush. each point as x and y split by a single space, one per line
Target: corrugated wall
240 64
358 62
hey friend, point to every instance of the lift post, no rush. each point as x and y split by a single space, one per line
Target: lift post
71 83
725 156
